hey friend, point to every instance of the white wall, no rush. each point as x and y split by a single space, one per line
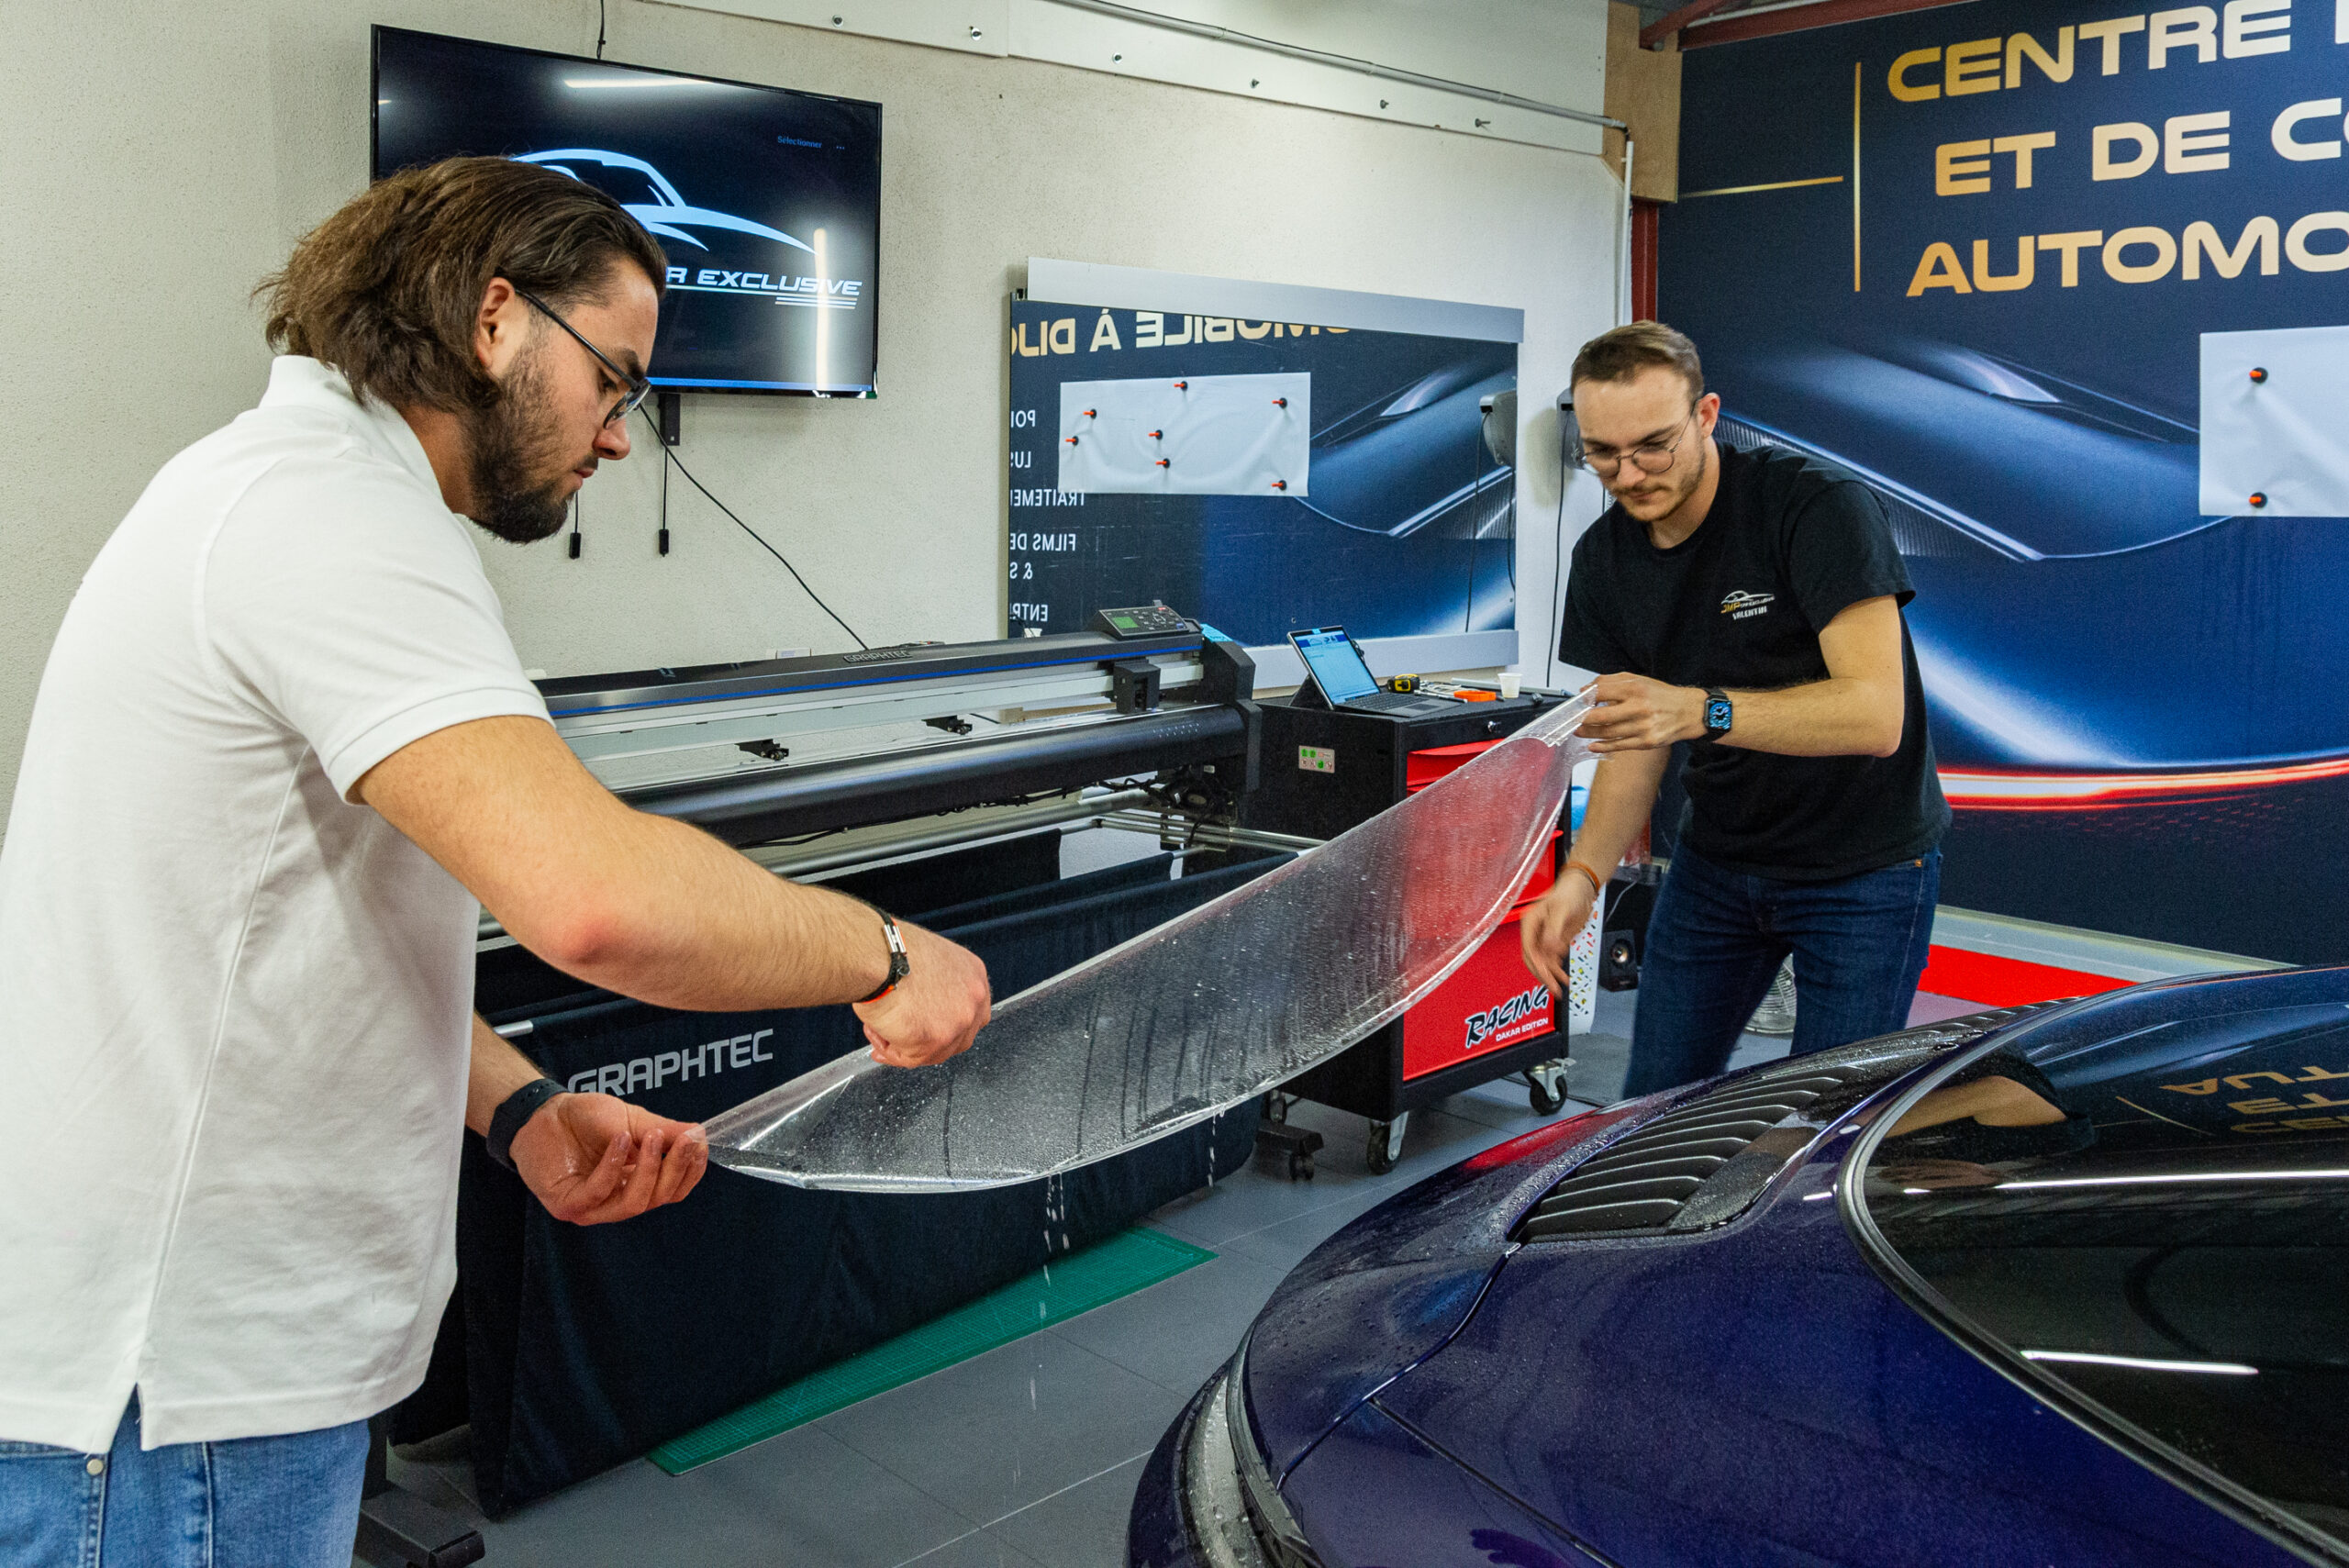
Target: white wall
162 157
1545 51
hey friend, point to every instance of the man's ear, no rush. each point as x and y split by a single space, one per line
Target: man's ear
498 324
1708 411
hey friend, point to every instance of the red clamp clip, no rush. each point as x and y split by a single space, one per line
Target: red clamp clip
1280 402
1163 463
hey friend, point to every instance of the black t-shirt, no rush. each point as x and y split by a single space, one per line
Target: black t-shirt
1788 545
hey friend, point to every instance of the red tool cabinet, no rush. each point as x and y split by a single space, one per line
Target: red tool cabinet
1322 773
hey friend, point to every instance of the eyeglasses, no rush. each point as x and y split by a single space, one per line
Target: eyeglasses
637 387
1653 458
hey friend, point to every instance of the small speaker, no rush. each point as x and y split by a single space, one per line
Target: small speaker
1619 959
1500 426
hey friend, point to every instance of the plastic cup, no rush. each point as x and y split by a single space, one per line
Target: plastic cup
1511 680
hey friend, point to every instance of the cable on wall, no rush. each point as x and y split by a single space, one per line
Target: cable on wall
756 535
1476 521
1558 557
1512 536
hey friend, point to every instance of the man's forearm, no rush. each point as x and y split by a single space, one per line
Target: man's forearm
1859 710
1622 794
641 905
682 920
1834 718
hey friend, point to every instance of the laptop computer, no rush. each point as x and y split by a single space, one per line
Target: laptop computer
1335 665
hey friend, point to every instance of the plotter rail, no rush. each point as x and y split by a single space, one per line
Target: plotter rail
856 791
760 752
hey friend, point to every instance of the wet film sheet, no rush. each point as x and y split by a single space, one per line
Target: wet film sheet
1193 1016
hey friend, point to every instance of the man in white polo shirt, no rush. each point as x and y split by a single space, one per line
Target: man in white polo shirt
282 755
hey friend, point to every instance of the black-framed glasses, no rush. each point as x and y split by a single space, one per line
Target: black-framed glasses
637 387
1653 457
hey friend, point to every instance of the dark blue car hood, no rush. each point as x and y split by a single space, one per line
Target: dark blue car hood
1757 1393
1393 1285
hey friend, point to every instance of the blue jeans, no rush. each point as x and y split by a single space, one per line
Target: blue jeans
1717 937
277 1502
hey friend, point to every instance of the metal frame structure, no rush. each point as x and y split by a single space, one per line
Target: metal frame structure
1703 22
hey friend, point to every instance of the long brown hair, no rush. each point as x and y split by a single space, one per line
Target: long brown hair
386 290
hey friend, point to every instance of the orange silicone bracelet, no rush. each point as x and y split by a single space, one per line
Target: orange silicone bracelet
1597 882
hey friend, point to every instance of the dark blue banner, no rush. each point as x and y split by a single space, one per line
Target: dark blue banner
1403 526
1970 254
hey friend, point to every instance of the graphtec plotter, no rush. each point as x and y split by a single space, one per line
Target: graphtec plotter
813 765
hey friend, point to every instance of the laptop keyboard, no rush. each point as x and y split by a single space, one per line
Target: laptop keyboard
1398 701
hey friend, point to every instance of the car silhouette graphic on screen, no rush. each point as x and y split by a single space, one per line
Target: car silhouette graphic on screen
650 198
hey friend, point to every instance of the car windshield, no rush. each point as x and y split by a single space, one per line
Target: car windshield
2140 1208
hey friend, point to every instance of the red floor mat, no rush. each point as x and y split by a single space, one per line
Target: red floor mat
2006 982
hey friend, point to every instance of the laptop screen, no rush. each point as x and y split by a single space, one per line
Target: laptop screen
1336 663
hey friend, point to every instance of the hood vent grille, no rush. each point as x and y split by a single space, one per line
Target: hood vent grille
1706 1159
1652 1180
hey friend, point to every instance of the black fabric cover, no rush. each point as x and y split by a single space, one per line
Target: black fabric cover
572 1349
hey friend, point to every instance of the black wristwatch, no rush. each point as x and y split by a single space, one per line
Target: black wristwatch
899 964
1719 717
509 1120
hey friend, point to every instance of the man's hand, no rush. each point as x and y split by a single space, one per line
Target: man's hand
1638 715
593 1159
940 1003
1550 928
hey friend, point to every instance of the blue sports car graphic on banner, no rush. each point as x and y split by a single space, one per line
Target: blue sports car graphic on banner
1971 255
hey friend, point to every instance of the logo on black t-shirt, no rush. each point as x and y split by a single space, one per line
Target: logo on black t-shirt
1743 605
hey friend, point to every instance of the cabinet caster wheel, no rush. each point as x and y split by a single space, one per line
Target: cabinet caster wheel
1293 1145
1385 1146
1277 1106
1545 1086
1544 1102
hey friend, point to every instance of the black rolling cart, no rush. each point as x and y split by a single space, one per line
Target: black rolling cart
1324 772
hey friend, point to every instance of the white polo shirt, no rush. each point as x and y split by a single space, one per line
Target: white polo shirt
234 1005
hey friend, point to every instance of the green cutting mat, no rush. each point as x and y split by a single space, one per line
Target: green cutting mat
1125 1262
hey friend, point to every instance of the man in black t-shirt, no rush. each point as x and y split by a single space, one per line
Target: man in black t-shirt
1748 603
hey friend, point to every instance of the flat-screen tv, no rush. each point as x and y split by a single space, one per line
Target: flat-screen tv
766 202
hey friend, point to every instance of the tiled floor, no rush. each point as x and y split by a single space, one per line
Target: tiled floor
1027 1456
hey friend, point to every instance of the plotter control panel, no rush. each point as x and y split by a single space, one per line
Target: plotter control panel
1144 620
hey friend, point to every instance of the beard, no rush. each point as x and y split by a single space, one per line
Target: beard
516 462
1656 504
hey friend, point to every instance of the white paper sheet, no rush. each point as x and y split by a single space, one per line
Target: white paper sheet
1202 435
2284 437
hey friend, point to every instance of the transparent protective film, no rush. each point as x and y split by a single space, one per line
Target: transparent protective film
1196 1016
